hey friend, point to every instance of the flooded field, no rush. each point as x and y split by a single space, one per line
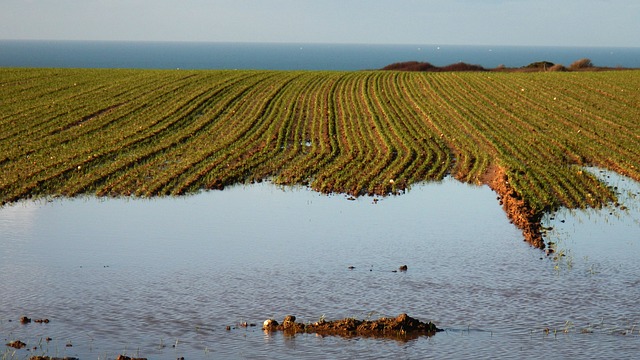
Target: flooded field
164 278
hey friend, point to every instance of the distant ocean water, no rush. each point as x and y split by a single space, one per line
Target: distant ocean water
273 56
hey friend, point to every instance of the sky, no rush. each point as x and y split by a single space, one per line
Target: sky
452 22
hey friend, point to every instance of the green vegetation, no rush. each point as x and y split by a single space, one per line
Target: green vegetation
148 133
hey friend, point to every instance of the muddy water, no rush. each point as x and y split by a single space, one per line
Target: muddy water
164 278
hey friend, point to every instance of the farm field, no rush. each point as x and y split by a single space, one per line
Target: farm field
65 132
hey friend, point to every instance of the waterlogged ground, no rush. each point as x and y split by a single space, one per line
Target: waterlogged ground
164 278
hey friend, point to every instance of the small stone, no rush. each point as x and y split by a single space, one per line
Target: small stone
269 324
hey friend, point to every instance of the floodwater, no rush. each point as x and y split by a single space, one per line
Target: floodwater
164 278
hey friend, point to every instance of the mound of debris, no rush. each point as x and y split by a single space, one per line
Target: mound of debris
400 327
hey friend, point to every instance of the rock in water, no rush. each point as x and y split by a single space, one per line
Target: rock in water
270 325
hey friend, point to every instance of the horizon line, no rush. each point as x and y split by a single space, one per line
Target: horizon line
313 43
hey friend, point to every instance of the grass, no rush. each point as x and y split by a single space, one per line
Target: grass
65 132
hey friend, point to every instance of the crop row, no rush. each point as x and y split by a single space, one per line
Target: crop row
144 132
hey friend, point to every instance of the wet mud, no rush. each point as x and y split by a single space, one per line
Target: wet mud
517 210
401 327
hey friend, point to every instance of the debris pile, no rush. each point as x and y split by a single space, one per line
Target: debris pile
402 325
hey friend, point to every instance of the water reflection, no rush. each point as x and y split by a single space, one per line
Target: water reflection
599 237
165 277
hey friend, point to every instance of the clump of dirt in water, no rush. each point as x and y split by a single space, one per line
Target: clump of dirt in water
17 344
402 326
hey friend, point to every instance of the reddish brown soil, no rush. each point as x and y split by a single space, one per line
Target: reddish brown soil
517 210
403 326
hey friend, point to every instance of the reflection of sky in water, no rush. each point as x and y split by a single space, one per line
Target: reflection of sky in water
234 222
238 221
605 235
127 273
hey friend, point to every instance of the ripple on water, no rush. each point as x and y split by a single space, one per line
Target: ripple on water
167 276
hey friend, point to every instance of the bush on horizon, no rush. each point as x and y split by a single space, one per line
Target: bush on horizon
583 63
557 67
425 66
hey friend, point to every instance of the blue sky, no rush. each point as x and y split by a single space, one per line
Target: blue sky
463 22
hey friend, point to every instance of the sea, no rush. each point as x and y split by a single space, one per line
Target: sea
290 56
